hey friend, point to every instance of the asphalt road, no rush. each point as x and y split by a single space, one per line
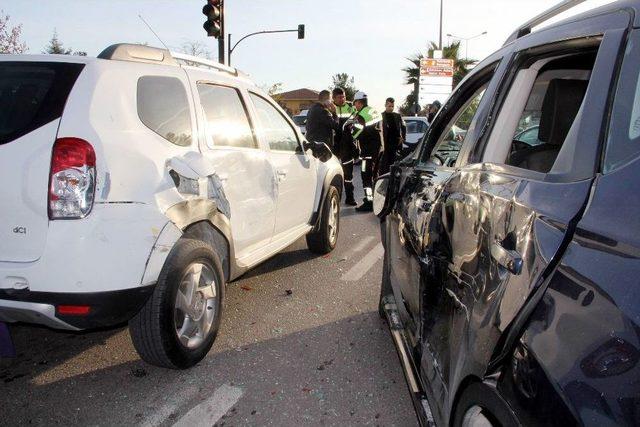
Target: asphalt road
301 343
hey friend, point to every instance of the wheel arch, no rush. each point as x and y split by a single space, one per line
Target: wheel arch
333 178
464 384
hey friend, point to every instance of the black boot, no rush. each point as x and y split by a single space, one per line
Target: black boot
366 206
348 192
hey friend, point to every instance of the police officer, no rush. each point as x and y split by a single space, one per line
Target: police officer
322 121
346 149
367 130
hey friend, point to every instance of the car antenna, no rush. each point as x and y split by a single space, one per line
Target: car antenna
154 33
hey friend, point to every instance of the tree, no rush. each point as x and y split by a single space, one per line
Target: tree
346 82
10 36
196 49
56 47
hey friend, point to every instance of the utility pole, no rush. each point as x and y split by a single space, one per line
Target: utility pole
440 44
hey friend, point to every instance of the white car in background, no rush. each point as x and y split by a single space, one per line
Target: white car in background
416 128
301 121
140 182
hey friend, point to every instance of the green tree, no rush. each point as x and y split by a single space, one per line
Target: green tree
346 82
55 46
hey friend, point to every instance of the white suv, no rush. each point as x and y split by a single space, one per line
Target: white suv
136 184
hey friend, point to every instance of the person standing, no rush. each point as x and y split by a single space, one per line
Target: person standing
322 120
346 149
394 134
367 130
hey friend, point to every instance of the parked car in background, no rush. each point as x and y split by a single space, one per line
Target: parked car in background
416 128
510 275
301 121
141 182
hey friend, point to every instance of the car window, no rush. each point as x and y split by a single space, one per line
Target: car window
447 150
416 126
539 110
163 107
624 131
227 120
273 127
32 94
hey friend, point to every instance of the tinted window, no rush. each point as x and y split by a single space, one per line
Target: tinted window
624 132
227 121
32 94
273 127
164 108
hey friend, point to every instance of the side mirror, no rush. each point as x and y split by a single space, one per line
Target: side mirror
380 196
320 150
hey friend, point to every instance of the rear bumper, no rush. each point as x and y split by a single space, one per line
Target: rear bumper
105 308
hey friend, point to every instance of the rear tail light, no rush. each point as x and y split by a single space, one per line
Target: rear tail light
74 310
72 179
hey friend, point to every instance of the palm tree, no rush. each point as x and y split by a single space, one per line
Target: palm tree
452 51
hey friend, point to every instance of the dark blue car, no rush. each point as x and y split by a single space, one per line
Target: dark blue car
511 280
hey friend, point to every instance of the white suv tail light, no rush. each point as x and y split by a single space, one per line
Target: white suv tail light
72 179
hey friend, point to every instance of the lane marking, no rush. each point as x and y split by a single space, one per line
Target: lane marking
364 265
211 410
361 245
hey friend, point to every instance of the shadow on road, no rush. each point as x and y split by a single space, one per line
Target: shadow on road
344 372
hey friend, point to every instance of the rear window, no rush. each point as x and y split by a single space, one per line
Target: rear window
163 107
33 94
416 126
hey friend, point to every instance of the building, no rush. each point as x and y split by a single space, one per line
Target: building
297 100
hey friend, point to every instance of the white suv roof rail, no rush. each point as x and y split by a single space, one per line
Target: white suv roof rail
155 55
556 10
201 62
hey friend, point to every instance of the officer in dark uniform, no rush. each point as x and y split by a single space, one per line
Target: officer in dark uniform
346 148
367 130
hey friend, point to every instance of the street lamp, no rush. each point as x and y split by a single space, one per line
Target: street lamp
466 41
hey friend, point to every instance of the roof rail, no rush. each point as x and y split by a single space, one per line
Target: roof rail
556 10
137 53
201 62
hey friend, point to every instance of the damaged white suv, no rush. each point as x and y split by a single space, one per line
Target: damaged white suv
136 184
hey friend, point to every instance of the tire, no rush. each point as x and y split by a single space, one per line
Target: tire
323 239
176 307
481 405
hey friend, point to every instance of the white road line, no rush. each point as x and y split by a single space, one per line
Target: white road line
360 269
361 245
211 410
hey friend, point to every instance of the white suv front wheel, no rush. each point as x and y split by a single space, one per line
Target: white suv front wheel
323 238
178 324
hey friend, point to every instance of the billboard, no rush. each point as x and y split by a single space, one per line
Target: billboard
436 80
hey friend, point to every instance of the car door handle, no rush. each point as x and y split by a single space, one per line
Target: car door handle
509 259
282 174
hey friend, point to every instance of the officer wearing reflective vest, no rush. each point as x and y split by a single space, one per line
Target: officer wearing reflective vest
367 130
345 146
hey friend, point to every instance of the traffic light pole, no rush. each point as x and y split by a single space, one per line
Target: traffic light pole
231 49
221 38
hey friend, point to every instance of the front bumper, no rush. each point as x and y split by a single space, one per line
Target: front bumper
105 308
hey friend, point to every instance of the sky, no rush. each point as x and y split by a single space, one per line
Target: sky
368 39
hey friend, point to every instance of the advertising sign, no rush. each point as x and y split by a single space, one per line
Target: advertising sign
436 80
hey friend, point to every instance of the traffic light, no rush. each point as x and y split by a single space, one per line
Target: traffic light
213 11
300 31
